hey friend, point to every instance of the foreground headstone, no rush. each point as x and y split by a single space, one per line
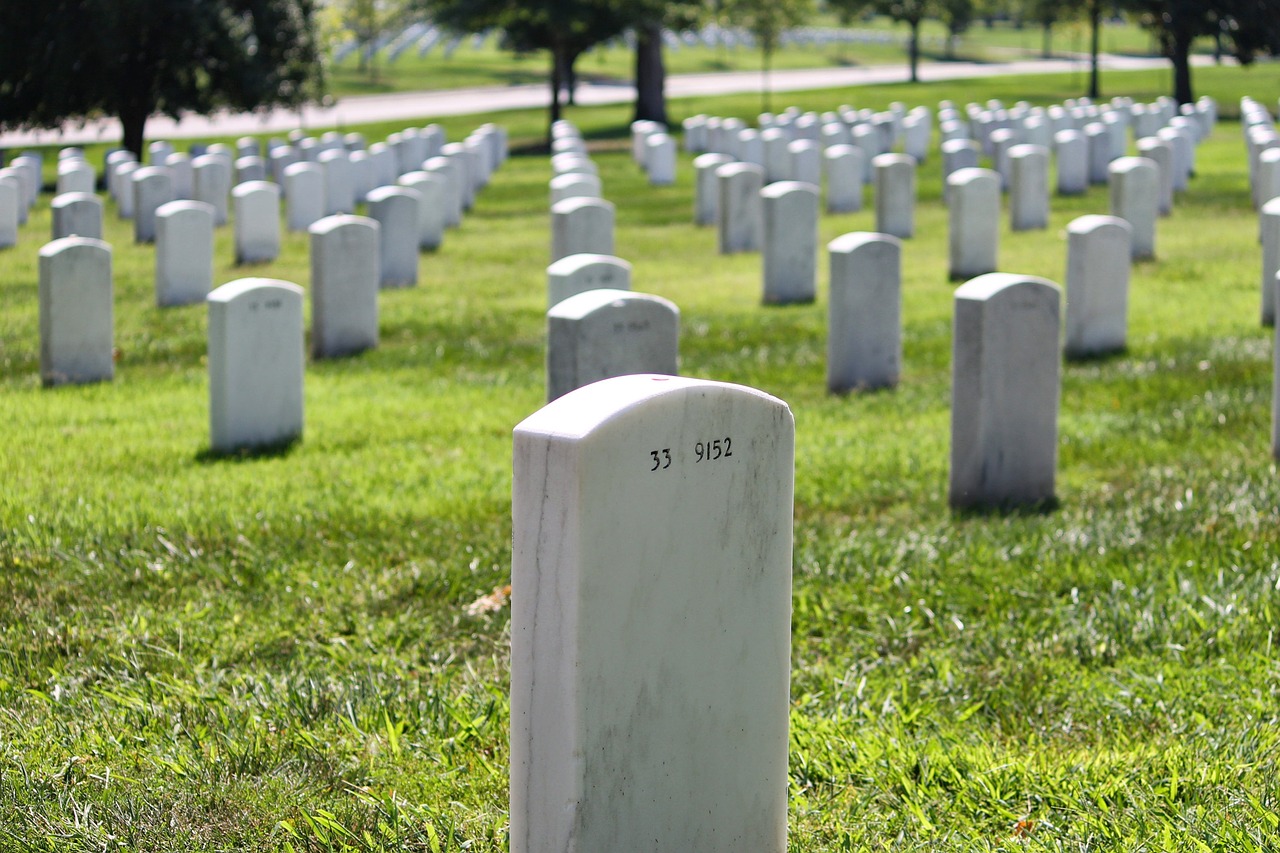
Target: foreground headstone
395 209
344 285
75 312
864 319
741 226
184 252
1270 219
581 226
1098 261
1134 195
257 227
652 513
1004 391
601 333
255 364
790 253
895 194
576 274
77 214
973 207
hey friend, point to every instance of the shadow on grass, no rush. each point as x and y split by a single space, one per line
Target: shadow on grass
1097 358
278 450
1007 510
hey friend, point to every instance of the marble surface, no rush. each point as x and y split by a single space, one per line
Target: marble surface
76 214
864 318
1098 265
1269 219
1028 187
345 275
650 634
581 226
740 223
1134 194
1005 388
396 211
575 274
973 213
184 252
257 221
602 333
75 295
790 250
895 176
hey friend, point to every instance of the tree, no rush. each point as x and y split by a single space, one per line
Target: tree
956 16
909 12
1249 27
69 59
369 21
564 28
767 20
651 18
1046 13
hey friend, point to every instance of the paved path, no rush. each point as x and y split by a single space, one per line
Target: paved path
362 109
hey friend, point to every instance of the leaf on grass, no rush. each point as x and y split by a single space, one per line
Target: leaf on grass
491 602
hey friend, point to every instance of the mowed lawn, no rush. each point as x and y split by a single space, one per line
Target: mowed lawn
278 652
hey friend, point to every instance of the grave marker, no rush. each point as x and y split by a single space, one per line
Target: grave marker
395 209
581 226
652 513
740 223
895 194
77 214
257 225
1134 195
1098 261
864 318
576 274
602 333
184 252
790 256
75 312
973 208
345 277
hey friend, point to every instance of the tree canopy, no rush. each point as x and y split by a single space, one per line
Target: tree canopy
70 59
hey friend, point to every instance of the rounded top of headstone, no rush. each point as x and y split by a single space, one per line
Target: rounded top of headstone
589 301
972 175
585 409
432 164
570 264
332 154
185 206
951 146
711 161
1270 155
855 240
80 244
891 160
148 172
334 222
1068 135
383 193
64 199
1129 164
835 152
802 145
1271 207
995 284
1028 150
567 179
233 290
569 205
303 168
737 168
248 187
1092 222
778 189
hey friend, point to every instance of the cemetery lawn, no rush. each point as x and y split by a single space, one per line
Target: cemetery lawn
284 652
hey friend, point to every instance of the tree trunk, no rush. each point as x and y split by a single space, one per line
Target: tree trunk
1046 46
766 98
1095 35
133 124
554 115
651 76
913 51
1180 55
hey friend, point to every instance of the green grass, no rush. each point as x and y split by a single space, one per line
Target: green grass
274 652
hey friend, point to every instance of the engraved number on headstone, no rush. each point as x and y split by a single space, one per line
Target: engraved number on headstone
712 450
661 458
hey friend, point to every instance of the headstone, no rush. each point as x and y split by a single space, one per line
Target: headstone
281 159
806 162
844 168
958 154
575 185
75 312
181 168
1270 218
31 165
1005 390
303 195
973 206
433 198
652 513
184 252
211 184
1072 152
10 203
1181 147
641 130
339 182
706 187
750 147
576 274
1099 145
660 159
255 364
868 139
777 155
452 175
1134 194
257 221
790 254
75 176
895 194
695 134
602 333
741 227
581 226
125 190
1029 187
77 214
345 278
457 154
395 209
864 319
1002 140
361 174
250 169
1161 153
1098 261
152 187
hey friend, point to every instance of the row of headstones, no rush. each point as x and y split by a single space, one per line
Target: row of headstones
655 512
1262 142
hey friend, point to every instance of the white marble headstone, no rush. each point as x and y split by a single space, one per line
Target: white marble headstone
77 214
152 187
895 176
396 211
1028 187
864 319
75 312
345 278
575 274
1134 194
184 252
650 625
303 191
790 251
433 199
1269 216
1006 375
741 225
255 364
601 333
211 184
581 226
257 221
973 207
1098 261
844 170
